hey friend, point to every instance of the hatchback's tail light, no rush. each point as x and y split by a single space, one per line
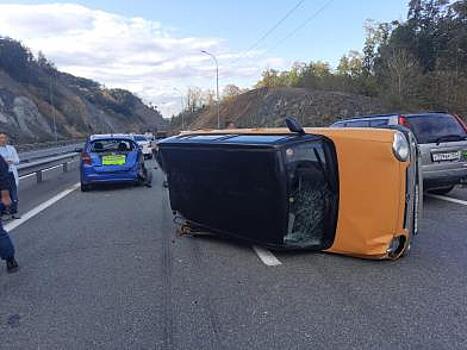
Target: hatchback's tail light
86 158
461 121
403 121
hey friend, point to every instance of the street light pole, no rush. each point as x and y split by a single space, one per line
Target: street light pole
183 104
217 85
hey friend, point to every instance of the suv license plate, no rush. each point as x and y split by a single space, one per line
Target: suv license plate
446 156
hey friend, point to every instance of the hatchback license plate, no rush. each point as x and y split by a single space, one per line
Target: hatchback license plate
114 160
446 156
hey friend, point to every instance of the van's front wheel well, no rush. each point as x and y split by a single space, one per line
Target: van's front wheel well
399 246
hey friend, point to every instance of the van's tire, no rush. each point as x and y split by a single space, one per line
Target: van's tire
442 190
85 188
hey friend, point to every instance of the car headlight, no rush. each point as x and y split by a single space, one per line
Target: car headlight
400 147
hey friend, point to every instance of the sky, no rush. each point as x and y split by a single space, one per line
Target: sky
153 47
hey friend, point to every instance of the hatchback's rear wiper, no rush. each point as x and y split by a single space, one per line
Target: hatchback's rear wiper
453 137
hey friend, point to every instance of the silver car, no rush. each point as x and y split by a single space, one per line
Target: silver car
442 139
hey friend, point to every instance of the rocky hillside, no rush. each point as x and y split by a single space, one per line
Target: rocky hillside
269 107
33 93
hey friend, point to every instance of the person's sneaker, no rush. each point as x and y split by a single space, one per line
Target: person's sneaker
15 217
11 265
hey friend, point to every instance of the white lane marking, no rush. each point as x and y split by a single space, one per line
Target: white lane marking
40 208
447 199
266 256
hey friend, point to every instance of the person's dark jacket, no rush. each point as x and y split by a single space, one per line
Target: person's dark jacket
3 174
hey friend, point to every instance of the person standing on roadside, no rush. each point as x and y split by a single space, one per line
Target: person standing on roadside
10 156
7 250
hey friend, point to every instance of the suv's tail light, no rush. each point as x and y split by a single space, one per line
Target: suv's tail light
86 158
461 121
403 121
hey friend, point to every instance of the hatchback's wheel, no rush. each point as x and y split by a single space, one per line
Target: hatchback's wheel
442 190
85 188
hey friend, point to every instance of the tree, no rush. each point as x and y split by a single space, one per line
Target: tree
231 91
401 77
45 63
194 98
377 34
351 65
15 59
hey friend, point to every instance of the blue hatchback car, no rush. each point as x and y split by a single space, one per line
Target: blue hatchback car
109 159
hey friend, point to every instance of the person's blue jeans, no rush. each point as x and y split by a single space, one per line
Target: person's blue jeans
7 250
13 189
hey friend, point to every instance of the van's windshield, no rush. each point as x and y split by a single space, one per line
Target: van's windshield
312 193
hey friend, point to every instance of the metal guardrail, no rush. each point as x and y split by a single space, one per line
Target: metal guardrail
25 147
35 155
38 167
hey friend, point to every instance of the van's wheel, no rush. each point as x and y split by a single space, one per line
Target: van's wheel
442 190
85 188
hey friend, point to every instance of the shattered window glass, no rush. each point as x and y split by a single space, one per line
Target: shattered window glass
310 195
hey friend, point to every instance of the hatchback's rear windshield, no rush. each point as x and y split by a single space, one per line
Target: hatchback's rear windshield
431 128
112 145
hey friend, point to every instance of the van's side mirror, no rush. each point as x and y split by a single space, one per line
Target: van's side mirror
294 125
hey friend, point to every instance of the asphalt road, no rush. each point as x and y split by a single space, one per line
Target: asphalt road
105 270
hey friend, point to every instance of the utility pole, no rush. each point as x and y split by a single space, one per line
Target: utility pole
182 104
217 85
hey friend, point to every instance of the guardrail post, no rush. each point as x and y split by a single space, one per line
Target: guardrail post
39 176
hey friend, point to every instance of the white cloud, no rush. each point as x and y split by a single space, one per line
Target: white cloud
129 52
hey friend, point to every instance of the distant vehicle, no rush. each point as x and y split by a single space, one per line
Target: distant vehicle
442 139
345 191
111 159
145 143
161 135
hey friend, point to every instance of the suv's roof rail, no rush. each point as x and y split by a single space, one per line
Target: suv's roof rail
381 115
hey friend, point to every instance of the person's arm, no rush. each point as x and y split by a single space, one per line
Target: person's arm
15 157
5 194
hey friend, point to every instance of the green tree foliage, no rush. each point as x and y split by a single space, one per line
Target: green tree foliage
420 63
434 38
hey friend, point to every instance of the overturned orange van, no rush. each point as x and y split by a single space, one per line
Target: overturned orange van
348 191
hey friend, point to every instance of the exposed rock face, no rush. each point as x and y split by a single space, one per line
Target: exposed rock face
28 116
268 107
79 106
